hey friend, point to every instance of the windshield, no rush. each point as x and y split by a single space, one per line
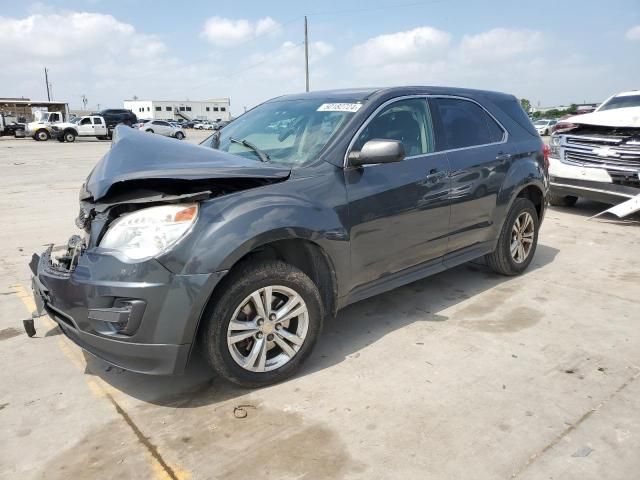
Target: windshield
541 122
75 120
624 101
290 132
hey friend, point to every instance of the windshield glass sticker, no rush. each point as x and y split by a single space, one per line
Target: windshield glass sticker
339 107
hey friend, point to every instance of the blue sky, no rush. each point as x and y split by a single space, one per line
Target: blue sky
550 52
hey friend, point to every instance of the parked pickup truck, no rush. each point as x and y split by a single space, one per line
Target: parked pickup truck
9 126
597 155
88 126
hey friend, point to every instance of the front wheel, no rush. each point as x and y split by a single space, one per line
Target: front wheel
42 135
149 131
518 240
69 137
263 324
179 135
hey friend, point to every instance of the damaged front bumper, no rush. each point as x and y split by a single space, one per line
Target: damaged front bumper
137 316
591 182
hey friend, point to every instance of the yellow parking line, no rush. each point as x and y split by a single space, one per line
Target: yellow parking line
101 389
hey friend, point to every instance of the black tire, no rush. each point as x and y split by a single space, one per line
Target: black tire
179 135
69 136
230 295
562 200
501 259
60 138
42 135
149 131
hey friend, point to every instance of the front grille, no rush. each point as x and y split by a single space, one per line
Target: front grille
631 161
603 152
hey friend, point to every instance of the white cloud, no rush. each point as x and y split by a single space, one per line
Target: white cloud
86 53
633 33
225 31
70 35
411 45
518 61
499 44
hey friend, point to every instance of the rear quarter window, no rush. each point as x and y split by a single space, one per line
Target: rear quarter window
514 110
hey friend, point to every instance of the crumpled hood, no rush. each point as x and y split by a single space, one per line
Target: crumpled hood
136 155
617 117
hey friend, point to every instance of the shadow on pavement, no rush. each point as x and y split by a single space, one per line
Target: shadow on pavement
355 327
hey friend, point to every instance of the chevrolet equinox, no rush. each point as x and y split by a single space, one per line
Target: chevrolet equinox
245 243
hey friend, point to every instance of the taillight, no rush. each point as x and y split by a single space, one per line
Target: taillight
546 150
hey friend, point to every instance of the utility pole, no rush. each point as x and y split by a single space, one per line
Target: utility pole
306 53
46 80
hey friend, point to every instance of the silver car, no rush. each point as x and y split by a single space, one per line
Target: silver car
163 128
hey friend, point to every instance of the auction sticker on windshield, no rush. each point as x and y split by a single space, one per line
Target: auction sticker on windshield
339 107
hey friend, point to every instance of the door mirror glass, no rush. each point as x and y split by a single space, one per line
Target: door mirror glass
377 151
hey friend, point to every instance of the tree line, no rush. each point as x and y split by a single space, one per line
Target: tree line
553 113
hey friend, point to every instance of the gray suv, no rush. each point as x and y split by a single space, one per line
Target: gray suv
306 203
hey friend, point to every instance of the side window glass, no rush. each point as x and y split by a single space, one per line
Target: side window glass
97 121
465 124
408 121
496 133
85 121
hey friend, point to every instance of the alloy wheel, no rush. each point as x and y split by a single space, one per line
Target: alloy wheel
268 328
522 235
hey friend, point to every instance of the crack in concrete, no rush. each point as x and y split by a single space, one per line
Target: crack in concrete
153 450
574 425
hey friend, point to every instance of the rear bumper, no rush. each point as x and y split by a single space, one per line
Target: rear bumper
161 309
587 182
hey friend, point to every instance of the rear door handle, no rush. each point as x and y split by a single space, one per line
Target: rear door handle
501 157
434 175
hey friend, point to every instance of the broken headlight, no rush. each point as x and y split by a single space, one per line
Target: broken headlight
148 232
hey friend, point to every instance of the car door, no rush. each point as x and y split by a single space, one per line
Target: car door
164 128
85 127
399 212
479 158
99 127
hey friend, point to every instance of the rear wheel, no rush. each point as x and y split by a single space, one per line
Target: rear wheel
61 138
518 240
263 324
562 200
149 131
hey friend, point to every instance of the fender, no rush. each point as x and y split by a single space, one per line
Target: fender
526 170
233 225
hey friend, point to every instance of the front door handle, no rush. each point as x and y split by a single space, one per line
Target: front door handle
502 156
434 175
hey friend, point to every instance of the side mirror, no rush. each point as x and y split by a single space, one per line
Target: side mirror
377 151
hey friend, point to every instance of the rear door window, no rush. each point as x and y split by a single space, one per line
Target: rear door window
465 124
97 121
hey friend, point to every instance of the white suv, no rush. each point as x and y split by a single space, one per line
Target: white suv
163 128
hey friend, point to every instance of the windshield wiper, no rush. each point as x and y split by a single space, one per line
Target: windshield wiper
264 157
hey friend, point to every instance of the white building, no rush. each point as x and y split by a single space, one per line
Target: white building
214 109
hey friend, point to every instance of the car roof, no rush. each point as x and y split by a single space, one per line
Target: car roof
362 94
627 94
